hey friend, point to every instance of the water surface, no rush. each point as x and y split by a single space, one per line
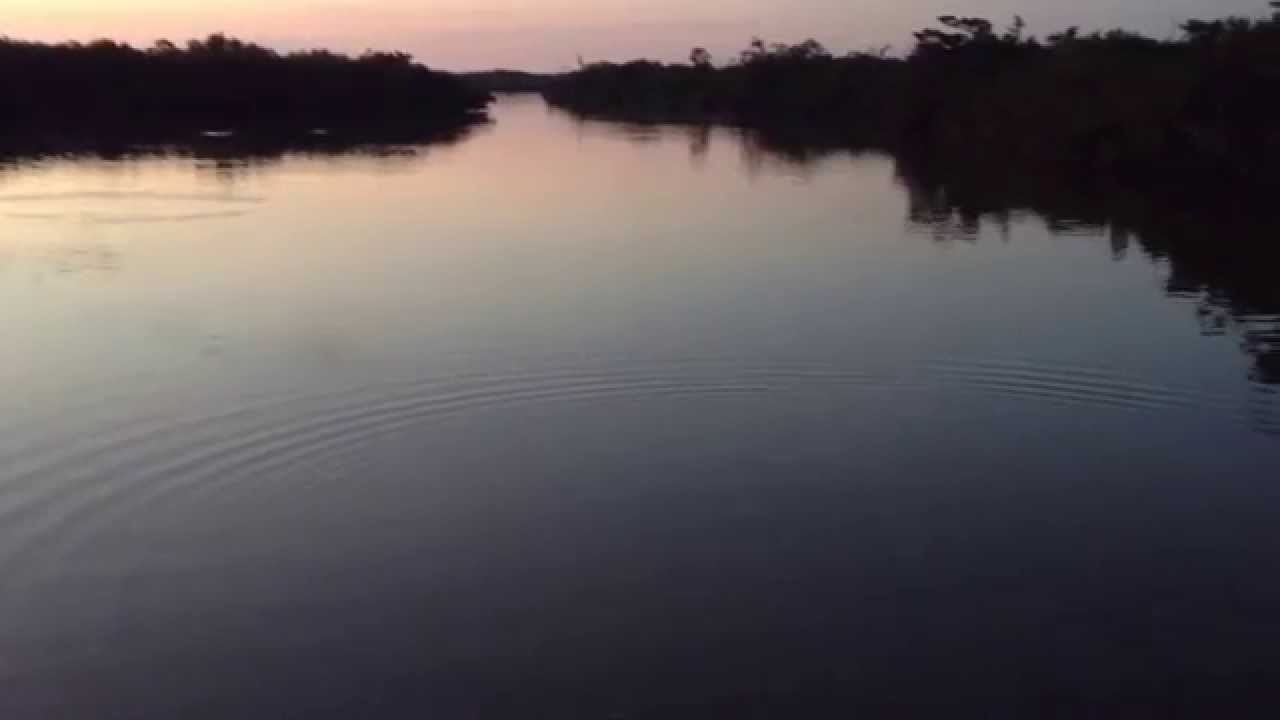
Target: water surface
570 419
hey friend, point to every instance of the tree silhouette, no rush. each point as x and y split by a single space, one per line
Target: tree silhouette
106 87
1198 109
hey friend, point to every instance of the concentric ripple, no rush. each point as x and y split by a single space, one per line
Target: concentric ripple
57 500
126 207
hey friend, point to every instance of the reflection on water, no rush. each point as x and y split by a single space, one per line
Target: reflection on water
580 419
1220 260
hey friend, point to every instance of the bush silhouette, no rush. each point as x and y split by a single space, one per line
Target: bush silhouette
1199 107
219 82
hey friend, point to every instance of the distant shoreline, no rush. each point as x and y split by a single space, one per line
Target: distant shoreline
102 92
1198 110
250 141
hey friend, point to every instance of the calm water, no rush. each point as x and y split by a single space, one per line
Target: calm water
586 420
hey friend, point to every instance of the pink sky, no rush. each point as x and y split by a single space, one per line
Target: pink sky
550 34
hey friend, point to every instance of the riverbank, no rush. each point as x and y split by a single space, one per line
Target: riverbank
1195 110
72 94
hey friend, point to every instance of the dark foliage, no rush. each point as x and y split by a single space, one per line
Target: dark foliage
106 88
769 86
1200 108
509 81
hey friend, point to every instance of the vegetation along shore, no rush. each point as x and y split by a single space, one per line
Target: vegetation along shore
1198 108
76 93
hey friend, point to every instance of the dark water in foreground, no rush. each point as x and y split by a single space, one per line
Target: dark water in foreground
582 420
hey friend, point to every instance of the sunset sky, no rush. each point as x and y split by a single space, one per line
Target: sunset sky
550 34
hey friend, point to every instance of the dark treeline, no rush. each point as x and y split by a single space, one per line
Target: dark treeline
74 91
1200 106
509 81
